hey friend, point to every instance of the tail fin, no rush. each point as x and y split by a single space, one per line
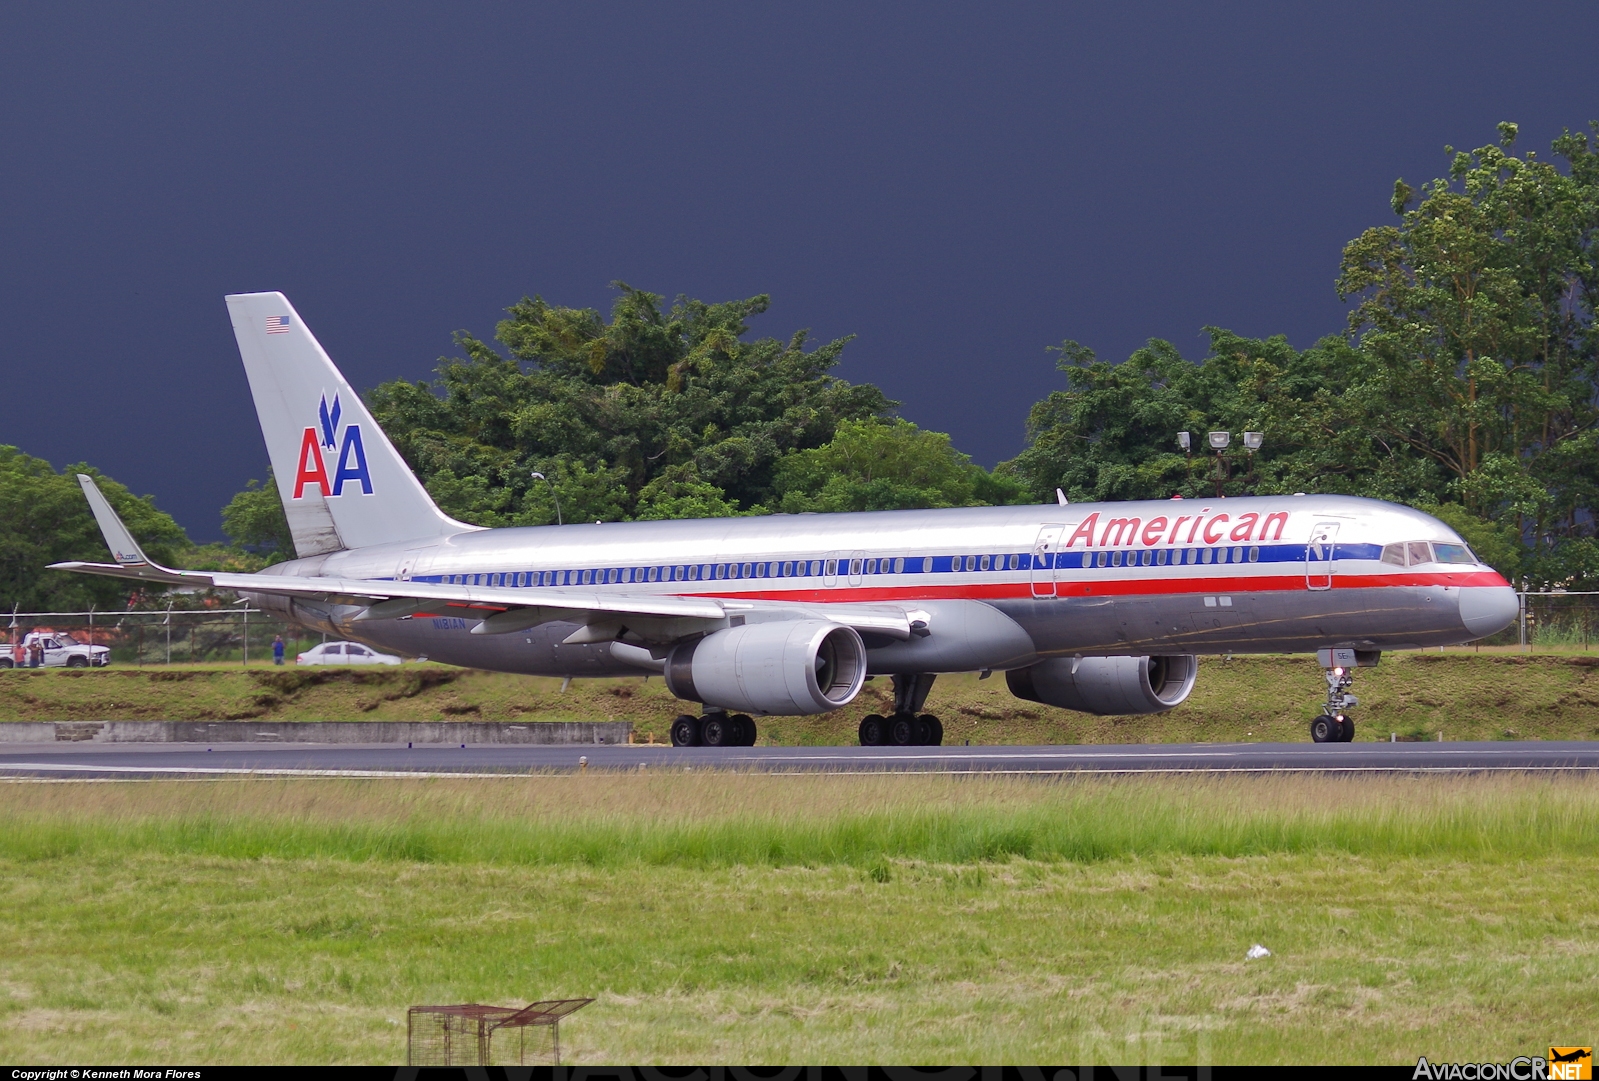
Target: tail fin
342 483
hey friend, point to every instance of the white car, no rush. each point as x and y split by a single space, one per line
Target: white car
61 650
344 653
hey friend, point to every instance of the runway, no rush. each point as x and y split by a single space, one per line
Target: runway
147 761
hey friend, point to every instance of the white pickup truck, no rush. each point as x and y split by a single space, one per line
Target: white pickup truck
61 650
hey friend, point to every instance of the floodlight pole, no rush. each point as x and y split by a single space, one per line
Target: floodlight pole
556 498
1218 443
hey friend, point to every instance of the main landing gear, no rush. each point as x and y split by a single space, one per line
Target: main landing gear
715 729
905 728
1335 725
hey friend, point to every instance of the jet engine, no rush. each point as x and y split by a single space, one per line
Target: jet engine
786 668
1107 686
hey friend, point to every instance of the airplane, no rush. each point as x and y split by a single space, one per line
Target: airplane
1095 607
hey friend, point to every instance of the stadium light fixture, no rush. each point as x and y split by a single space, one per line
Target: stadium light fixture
1219 440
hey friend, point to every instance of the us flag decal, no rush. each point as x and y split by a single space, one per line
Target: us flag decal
277 324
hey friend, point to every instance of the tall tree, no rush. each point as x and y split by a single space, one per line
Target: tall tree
1467 383
656 412
1478 311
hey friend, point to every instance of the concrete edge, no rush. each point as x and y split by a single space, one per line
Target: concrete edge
469 732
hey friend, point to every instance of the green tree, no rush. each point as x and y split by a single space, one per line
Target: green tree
1477 310
1468 382
45 519
254 519
656 411
892 465
1112 432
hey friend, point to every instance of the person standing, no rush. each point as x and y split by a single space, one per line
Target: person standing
19 655
277 649
36 654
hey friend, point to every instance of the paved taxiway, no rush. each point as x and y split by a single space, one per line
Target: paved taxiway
53 760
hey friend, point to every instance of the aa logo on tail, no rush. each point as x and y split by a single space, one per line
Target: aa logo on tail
352 454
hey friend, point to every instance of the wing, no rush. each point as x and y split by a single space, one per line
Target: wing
656 618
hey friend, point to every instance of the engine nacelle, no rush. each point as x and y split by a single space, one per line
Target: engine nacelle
785 668
1107 686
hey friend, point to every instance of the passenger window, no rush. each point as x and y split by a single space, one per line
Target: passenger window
855 566
1254 555
984 563
1419 552
899 565
1238 555
1161 557
1206 555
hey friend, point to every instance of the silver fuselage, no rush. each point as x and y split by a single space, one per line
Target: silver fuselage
996 587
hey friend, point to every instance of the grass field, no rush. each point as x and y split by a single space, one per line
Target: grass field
1464 695
733 917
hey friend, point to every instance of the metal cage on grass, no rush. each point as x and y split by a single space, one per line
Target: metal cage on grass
476 1035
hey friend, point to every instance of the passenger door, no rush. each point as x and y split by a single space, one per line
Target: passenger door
855 561
1319 555
1045 549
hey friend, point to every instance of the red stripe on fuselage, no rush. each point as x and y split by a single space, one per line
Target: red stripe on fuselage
1109 587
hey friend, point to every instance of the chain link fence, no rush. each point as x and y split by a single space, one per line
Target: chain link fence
228 634
1563 621
243 635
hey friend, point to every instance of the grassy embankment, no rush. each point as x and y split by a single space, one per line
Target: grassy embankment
1465 695
730 917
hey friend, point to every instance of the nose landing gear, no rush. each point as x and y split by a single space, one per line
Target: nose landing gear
1335 725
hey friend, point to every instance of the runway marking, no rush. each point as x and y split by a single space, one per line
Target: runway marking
14 772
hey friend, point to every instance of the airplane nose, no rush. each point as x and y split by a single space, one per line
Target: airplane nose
1487 609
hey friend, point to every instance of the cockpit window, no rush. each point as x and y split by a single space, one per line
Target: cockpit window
1454 553
1414 553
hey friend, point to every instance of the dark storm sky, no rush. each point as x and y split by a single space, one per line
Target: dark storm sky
959 186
